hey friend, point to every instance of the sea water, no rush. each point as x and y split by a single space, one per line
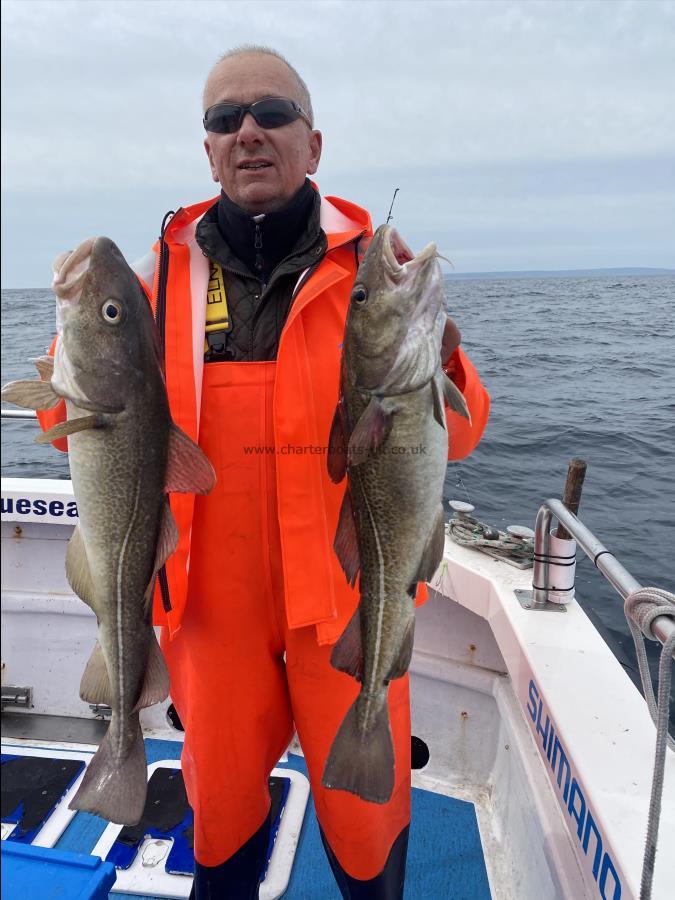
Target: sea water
575 366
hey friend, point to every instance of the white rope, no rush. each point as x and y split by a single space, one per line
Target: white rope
641 608
471 533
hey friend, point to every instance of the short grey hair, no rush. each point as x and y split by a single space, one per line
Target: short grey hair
260 50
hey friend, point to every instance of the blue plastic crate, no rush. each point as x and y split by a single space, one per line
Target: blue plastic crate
41 873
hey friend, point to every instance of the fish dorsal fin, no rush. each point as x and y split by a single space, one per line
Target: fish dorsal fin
372 429
347 654
78 572
95 683
45 367
188 469
72 426
433 551
167 541
454 398
31 394
156 685
346 544
337 445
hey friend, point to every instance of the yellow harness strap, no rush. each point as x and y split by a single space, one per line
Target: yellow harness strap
217 313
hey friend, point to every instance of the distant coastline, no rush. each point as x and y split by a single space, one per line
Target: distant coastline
643 272
562 273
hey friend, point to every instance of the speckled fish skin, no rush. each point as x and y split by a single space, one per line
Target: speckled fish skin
125 454
118 473
391 438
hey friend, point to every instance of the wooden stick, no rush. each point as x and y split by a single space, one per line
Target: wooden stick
572 493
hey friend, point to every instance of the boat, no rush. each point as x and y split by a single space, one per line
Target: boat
533 751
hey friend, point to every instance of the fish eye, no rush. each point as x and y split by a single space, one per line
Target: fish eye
359 294
112 311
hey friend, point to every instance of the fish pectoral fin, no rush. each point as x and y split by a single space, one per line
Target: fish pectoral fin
156 685
455 398
371 430
45 367
437 386
31 394
78 572
346 543
72 426
337 445
433 551
167 541
402 663
95 683
347 654
188 468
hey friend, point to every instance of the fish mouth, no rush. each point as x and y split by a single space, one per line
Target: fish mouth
70 270
401 263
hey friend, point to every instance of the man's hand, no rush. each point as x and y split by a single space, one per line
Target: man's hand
451 341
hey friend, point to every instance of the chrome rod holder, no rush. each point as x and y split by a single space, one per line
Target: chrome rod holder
603 560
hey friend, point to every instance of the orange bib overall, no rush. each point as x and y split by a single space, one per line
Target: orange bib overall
241 680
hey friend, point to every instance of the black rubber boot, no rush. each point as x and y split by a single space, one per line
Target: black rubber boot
388 885
239 877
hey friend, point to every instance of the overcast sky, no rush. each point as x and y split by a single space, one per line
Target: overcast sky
522 135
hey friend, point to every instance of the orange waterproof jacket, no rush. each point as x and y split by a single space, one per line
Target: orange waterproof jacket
175 276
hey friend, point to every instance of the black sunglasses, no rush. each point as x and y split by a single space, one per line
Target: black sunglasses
271 112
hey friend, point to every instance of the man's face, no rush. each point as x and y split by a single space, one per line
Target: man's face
289 153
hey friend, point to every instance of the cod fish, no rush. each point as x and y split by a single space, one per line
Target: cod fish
389 437
125 454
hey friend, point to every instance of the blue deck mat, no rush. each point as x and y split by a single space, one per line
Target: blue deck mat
445 856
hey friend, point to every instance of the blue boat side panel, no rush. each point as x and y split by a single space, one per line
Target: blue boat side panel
84 831
279 790
445 855
31 789
40 873
166 816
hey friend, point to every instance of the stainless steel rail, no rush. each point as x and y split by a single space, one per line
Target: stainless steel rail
619 577
18 414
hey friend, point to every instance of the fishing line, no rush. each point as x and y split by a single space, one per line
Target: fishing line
392 206
460 482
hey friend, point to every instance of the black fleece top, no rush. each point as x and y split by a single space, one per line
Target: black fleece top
261 258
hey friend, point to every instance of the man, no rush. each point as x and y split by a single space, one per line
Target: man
254 597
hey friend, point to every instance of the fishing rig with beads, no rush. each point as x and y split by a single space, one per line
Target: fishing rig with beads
514 546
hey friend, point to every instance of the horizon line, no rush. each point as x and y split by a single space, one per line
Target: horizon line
662 270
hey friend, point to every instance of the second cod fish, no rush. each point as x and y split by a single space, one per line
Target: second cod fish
125 454
389 437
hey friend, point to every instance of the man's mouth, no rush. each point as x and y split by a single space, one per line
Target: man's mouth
254 165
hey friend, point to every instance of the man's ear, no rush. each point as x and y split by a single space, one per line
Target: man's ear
315 145
207 147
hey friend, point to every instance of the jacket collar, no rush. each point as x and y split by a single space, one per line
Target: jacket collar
341 220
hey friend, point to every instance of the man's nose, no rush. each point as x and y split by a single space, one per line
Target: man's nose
250 131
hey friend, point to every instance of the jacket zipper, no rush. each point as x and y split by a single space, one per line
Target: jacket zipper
312 269
257 243
160 319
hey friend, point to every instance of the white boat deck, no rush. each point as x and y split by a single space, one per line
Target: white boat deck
527 715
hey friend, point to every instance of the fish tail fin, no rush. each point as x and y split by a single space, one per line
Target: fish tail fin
362 761
115 787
